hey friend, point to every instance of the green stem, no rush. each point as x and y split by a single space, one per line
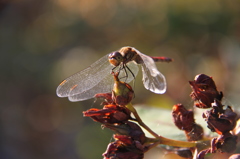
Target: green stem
159 139
139 120
177 143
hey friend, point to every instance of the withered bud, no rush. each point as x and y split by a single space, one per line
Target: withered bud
224 143
110 114
204 91
228 145
122 92
184 120
124 148
106 96
129 129
195 134
182 117
220 120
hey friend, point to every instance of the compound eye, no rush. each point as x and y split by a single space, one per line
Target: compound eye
115 58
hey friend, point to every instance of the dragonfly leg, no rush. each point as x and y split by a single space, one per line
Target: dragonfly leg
122 67
119 68
113 69
130 71
133 78
126 74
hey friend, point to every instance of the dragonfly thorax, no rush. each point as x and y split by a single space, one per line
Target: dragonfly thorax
130 54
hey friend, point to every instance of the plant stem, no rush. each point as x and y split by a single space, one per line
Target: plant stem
170 142
159 139
139 120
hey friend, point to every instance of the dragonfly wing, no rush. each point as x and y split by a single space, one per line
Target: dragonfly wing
153 80
104 86
129 74
86 79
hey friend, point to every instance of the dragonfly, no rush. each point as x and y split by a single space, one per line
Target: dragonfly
97 77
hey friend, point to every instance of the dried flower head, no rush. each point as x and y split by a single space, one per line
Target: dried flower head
204 91
124 148
220 120
184 120
109 114
182 117
122 92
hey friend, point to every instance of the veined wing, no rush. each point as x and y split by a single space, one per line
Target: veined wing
106 84
85 79
153 80
103 86
92 80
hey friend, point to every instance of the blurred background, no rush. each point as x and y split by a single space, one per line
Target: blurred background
44 41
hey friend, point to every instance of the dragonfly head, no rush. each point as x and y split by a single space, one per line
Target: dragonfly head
115 58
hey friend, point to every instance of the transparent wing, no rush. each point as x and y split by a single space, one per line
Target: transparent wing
103 86
106 84
128 75
92 80
85 79
153 80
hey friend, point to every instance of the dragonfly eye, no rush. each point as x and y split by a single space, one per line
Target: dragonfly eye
115 58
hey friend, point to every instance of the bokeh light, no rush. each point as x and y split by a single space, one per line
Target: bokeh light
44 41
